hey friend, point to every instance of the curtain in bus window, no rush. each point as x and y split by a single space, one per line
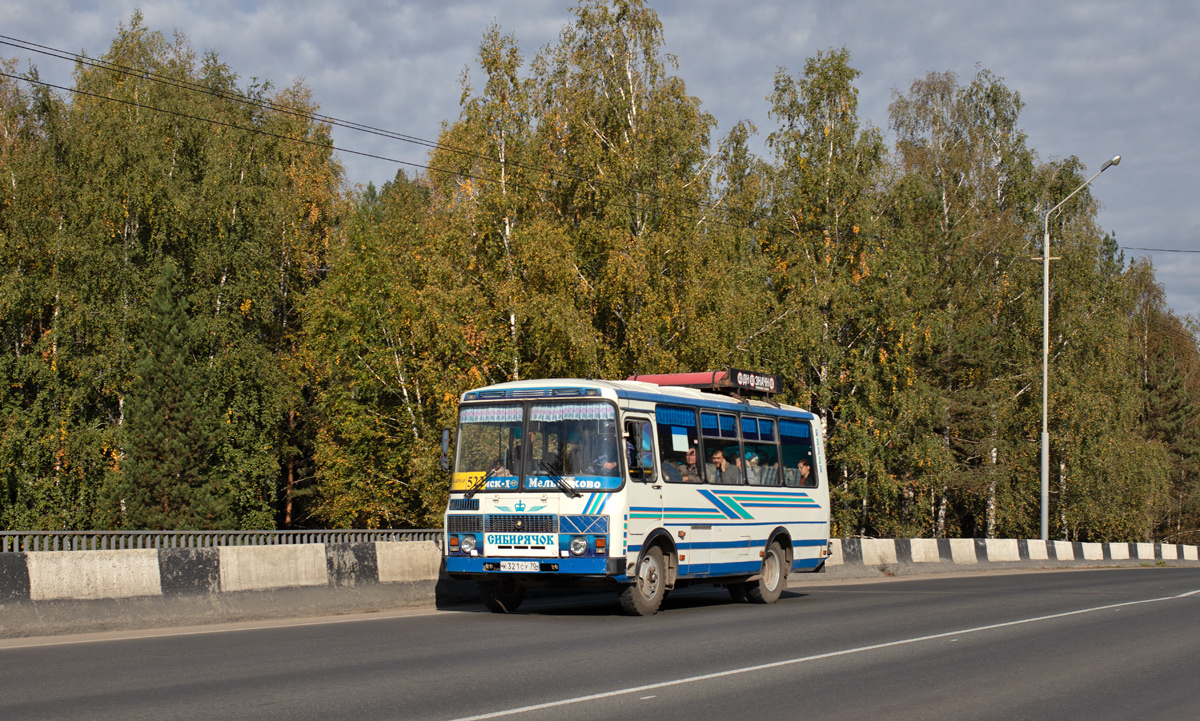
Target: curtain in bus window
795 443
728 427
550 412
491 414
750 429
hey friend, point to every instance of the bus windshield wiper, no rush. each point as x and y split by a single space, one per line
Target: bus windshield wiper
480 484
562 482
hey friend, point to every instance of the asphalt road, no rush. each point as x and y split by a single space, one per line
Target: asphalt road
1094 644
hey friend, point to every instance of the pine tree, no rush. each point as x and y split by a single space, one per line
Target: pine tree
165 481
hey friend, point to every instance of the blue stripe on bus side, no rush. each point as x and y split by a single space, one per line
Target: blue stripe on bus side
756 543
721 569
717 570
716 501
742 566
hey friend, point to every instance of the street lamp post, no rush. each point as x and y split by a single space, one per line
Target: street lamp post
1046 352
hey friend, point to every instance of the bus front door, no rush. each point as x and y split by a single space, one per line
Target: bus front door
644 487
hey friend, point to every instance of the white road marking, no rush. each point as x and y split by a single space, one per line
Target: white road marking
804 659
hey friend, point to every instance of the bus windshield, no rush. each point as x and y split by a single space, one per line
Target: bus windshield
575 442
561 445
489 444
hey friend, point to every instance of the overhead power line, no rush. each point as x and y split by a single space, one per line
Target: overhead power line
1159 250
211 121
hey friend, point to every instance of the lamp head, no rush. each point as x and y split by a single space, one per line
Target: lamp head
1116 160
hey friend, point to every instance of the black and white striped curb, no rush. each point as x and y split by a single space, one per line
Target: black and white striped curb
936 553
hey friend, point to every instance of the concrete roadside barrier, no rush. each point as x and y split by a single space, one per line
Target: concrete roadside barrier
93 574
54 592
262 568
876 557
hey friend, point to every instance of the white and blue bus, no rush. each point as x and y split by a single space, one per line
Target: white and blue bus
642 485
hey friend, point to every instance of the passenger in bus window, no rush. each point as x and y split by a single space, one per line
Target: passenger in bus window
768 473
719 470
752 468
806 478
689 468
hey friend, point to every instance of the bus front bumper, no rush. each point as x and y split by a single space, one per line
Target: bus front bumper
475 567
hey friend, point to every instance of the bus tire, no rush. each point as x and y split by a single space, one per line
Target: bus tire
501 596
768 588
645 594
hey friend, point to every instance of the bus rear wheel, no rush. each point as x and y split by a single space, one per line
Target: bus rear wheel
502 596
645 594
768 588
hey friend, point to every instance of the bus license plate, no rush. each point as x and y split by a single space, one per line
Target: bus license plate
521 566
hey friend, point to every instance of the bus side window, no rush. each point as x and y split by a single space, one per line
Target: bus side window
639 450
679 445
797 454
721 449
762 452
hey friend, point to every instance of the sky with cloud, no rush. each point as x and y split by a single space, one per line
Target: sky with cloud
1098 78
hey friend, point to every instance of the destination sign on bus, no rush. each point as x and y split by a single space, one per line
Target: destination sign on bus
759 382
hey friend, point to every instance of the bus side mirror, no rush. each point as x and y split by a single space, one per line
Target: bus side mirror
445 449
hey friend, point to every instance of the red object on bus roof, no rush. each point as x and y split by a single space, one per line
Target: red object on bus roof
726 380
707 379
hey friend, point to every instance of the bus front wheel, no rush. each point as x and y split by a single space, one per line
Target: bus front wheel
645 594
502 596
768 588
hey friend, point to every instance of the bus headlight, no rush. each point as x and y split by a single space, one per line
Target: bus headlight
467 544
579 545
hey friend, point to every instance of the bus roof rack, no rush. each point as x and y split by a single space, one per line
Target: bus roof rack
730 380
